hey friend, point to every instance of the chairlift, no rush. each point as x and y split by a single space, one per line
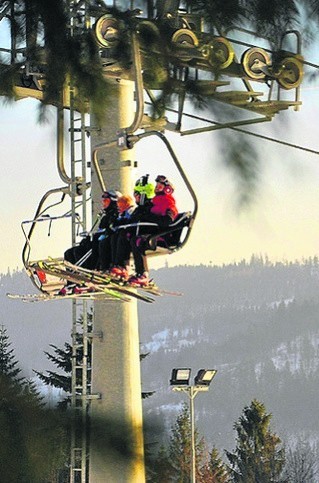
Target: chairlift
42 282
175 236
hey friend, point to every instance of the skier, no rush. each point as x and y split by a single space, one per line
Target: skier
143 192
86 254
107 252
161 211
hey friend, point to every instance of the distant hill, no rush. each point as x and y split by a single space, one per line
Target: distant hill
256 322
32 326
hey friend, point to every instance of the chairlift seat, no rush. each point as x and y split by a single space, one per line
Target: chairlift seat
44 282
166 240
171 238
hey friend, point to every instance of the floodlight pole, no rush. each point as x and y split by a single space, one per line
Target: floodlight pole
192 392
180 382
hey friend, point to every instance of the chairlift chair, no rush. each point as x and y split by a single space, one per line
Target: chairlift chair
175 236
42 281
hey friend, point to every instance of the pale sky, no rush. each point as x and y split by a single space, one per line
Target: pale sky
282 223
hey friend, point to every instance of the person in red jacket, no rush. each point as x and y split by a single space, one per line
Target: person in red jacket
162 211
155 214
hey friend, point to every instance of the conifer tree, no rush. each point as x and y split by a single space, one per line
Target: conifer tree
258 456
8 364
72 53
62 358
32 437
215 470
173 464
180 447
160 470
75 53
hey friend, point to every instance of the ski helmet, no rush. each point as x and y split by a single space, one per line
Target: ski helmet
113 195
168 186
143 187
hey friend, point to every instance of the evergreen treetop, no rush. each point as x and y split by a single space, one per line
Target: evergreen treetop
258 456
8 364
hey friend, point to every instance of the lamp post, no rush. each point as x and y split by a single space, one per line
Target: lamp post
180 382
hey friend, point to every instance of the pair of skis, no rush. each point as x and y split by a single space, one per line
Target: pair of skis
93 281
119 283
44 297
78 282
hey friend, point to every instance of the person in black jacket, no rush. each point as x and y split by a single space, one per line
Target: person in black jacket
162 212
108 246
143 193
86 254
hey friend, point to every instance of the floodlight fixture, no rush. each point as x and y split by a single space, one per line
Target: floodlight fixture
204 377
180 377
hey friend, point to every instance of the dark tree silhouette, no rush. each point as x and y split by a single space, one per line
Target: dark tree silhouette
32 437
258 455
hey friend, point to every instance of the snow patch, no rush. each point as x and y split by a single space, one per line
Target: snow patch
159 340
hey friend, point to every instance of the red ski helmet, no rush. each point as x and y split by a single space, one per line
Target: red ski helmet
168 186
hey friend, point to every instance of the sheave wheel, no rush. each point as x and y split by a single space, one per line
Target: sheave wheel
219 52
107 31
255 61
187 38
290 73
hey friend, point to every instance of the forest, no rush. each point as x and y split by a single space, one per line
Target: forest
255 321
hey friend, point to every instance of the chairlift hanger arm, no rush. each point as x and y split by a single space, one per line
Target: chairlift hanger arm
136 137
39 212
139 112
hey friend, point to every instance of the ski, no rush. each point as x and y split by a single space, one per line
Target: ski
47 297
151 287
92 285
115 284
155 290
76 274
65 270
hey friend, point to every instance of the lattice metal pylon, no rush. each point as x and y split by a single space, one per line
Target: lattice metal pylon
80 327
81 371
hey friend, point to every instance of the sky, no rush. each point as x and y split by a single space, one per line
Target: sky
281 223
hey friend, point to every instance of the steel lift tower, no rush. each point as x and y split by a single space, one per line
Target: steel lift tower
110 390
113 392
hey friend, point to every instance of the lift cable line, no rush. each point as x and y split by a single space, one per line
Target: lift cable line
278 141
218 126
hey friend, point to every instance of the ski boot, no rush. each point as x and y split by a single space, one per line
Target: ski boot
67 289
78 289
139 280
119 273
